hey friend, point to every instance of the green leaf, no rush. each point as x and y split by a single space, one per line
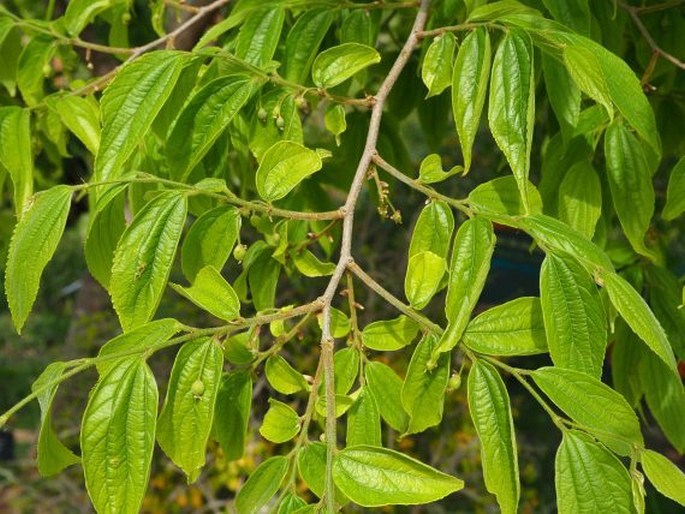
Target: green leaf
390 335
563 95
16 155
259 35
337 64
357 27
423 278
283 377
263 484
143 258
291 503
433 230
204 118
363 421
263 280
232 416
423 391
53 455
607 416
469 267
80 13
633 309
436 71
583 65
33 61
340 323
374 477
665 300
310 266
590 479
511 109
575 321
211 292
129 106
469 86
500 8
346 367
491 413
335 122
512 328
501 197
631 186
626 354
210 240
107 224
81 115
283 167
572 13
675 194
118 437
281 422
303 42
311 464
188 411
666 477
34 241
385 387
282 122
431 170
580 198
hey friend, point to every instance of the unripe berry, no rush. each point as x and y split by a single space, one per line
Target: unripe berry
239 252
198 388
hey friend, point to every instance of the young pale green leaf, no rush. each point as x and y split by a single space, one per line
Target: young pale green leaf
259 35
340 63
580 198
335 121
607 416
290 504
16 155
633 309
385 387
433 230
340 323
675 194
33 61
575 321
500 199
665 476
469 267
303 42
431 170
390 335
423 391
188 411
630 181
129 106
512 328
118 437
53 455
283 167
311 465
263 484
511 108
232 416
211 292
373 477
143 258
107 224
283 377
583 65
204 118
33 243
311 266
80 13
423 278
364 421
491 413
469 86
590 479
563 95
81 115
436 71
281 422
210 240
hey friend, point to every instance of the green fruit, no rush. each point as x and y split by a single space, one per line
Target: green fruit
198 388
239 252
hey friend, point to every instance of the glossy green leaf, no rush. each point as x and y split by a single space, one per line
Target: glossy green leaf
33 244
390 335
310 266
431 170
343 403
607 416
335 121
340 323
81 115
283 377
423 278
512 328
511 108
633 309
675 194
580 198
34 61
630 182
575 321
590 479
129 106
290 504
357 27
232 416
311 465
118 437
107 224
259 35
469 86
573 13
498 9
337 64
143 258
583 65
210 240
303 42
363 421
491 414
282 122
665 300
16 155
374 477
281 423
80 13
211 292
385 387
346 368
501 197
433 230
626 354
436 71
53 455
188 411
563 94
283 167
263 484
664 475
423 391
